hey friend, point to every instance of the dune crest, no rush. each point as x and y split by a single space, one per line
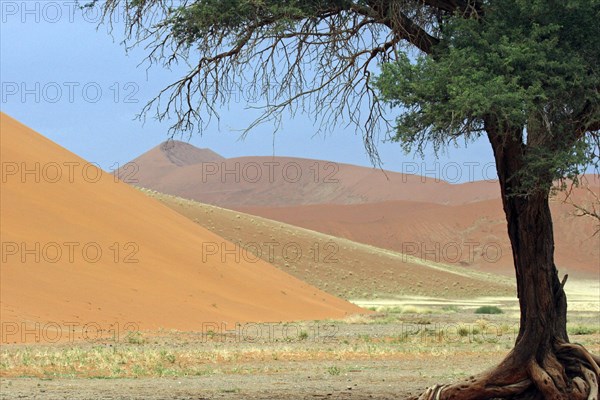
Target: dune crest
289 181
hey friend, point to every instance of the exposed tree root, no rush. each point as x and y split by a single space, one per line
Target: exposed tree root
542 380
592 362
569 372
592 380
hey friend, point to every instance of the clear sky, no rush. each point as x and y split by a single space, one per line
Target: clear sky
73 82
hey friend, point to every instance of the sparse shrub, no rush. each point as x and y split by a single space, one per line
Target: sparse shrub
394 310
409 309
483 324
334 370
303 335
488 310
365 338
504 328
210 333
170 357
463 331
402 338
582 330
450 309
138 371
135 338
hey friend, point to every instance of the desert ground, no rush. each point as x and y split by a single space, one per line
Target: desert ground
394 353
212 290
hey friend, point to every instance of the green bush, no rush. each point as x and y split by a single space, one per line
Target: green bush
303 335
488 310
135 338
582 330
333 370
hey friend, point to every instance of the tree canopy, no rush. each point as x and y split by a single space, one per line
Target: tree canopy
460 60
532 66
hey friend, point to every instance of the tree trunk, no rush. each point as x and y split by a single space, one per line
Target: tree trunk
541 296
543 364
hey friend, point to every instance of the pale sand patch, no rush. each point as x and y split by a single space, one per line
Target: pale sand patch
583 296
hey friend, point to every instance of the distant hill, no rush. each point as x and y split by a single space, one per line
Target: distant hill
285 181
152 166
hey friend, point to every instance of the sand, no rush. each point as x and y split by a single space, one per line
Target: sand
79 247
199 174
471 235
428 217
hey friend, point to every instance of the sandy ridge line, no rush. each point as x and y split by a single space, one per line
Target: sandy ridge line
369 248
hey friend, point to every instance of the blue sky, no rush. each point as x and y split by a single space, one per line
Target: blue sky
73 82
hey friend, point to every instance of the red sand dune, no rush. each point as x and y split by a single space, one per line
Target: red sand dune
285 181
472 235
397 211
74 206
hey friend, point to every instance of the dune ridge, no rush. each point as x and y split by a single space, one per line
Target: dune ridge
286 181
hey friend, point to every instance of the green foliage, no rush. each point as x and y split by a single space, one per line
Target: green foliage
190 23
583 330
488 310
531 67
334 370
463 331
451 309
303 335
135 338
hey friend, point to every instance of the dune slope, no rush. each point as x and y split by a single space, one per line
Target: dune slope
472 235
79 246
339 266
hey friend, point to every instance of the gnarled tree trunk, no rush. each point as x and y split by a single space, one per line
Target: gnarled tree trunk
543 364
